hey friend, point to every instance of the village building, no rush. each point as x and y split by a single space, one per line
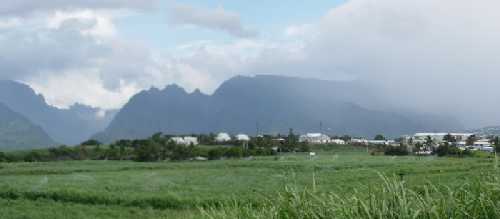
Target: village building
187 140
223 137
242 137
315 138
382 142
338 141
359 141
438 138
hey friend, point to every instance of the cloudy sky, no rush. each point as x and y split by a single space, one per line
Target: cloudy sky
436 56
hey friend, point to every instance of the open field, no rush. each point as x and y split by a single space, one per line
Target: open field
124 189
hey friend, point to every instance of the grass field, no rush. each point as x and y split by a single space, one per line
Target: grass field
124 189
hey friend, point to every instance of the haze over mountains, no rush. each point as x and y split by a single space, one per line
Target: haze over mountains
263 104
267 104
17 132
65 126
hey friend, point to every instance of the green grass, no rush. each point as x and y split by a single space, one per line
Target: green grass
110 189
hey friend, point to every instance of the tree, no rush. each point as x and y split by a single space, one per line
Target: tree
181 152
443 149
396 151
63 152
97 152
82 152
234 152
304 147
33 156
429 142
148 150
291 141
113 153
346 138
216 153
379 137
3 157
496 143
91 142
470 140
449 138
418 146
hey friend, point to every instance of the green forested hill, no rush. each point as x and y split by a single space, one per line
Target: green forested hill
17 132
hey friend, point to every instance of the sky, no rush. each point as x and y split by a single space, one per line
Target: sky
426 55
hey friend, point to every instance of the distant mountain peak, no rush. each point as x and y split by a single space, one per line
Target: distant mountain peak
68 126
276 103
17 132
174 89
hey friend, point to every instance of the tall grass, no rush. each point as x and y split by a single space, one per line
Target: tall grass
390 199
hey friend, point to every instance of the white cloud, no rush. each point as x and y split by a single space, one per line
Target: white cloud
427 55
9 23
436 56
217 19
28 7
101 23
81 86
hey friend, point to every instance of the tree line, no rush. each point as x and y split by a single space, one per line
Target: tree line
161 147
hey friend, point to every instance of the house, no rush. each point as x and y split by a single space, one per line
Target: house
382 142
242 137
338 141
191 140
315 138
223 137
482 145
187 140
438 138
359 141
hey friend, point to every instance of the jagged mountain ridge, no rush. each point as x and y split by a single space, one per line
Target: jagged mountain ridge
272 104
66 126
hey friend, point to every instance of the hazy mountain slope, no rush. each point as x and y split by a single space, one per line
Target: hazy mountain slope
68 126
491 130
17 132
272 103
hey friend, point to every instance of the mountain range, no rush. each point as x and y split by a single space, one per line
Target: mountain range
64 126
486 131
17 132
253 105
266 104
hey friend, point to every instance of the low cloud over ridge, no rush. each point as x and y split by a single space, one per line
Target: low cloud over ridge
426 55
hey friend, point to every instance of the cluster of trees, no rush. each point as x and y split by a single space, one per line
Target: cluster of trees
160 147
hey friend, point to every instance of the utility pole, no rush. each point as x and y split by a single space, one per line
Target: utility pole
257 129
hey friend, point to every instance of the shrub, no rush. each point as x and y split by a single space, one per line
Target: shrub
33 156
3 157
396 151
216 153
234 152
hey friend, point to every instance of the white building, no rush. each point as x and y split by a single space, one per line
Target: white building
359 141
315 138
242 137
188 140
381 142
223 137
482 145
439 137
338 141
